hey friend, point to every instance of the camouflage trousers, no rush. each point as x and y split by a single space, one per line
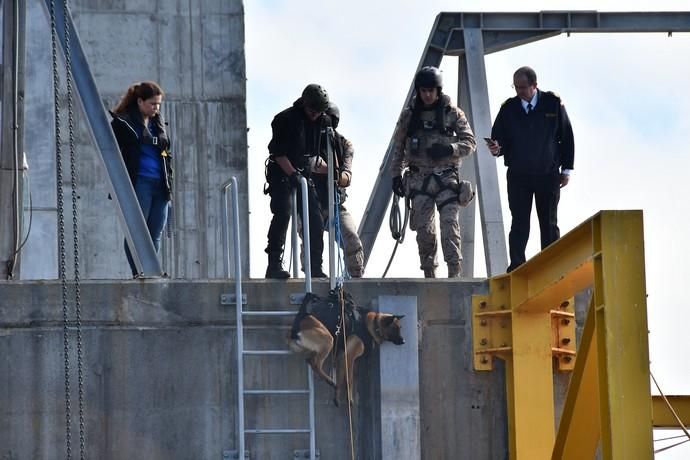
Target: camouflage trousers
427 193
349 242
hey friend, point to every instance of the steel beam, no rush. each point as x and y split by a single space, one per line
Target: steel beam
662 416
621 327
579 430
126 204
474 73
467 172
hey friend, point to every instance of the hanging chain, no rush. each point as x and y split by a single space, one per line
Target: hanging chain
61 230
75 232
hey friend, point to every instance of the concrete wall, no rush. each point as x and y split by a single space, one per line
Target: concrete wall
195 50
160 374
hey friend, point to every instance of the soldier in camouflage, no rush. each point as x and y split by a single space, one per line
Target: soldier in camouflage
431 138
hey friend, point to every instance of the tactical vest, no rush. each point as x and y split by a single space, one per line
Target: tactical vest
427 127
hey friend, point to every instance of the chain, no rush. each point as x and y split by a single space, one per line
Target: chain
61 230
75 232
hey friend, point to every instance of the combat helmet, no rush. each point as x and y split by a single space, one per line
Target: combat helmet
315 97
334 113
428 77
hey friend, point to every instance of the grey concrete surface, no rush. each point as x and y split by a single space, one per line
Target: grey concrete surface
160 382
195 50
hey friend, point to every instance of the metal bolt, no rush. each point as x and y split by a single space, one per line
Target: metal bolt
483 342
565 340
565 304
482 304
484 360
567 359
565 322
483 322
504 344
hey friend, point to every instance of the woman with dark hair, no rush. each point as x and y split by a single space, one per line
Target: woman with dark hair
140 133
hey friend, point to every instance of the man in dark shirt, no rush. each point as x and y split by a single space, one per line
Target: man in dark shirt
533 134
296 138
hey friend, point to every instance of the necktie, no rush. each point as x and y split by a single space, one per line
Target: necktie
529 108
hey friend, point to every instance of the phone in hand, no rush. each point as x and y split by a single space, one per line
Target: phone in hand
489 141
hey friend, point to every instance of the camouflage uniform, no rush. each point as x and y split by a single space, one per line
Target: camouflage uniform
430 182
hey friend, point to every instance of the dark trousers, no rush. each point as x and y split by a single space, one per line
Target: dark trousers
281 207
154 203
546 192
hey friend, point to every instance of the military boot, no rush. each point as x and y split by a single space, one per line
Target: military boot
275 267
454 270
430 272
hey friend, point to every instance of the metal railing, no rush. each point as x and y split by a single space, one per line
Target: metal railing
240 313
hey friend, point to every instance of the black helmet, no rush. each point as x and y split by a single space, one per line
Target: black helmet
315 97
428 77
334 113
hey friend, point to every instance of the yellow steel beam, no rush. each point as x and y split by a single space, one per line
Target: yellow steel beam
579 430
531 379
662 416
557 273
621 327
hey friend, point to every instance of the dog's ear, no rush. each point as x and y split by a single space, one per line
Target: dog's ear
398 316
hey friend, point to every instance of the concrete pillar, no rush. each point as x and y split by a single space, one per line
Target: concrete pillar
399 371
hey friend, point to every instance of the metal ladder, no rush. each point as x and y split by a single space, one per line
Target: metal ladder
241 313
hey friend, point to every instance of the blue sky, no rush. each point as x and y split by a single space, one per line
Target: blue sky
626 95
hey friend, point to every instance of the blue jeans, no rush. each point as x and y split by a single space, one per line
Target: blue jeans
154 204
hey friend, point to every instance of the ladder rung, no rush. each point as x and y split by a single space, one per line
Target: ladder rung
278 431
269 313
267 352
276 392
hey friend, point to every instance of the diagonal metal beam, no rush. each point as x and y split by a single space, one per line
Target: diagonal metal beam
125 200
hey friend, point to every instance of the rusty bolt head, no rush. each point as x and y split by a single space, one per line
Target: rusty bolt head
565 340
504 344
482 304
565 304
482 322
484 360
565 322
567 359
483 342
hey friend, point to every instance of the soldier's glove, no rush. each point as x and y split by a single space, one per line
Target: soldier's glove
294 178
398 187
438 151
344 178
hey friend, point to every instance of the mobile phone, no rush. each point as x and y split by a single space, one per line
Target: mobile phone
489 140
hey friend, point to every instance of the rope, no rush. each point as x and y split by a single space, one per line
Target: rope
397 227
675 415
341 300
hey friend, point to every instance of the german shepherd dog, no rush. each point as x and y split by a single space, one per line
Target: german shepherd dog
318 325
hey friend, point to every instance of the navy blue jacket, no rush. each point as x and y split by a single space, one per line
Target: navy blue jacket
540 142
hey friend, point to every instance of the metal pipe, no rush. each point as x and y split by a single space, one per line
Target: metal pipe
305 234
312 417
295 254
330 134
238 318
224 223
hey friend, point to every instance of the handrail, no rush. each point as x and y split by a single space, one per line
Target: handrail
232 183
330 135
295 254
305 233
